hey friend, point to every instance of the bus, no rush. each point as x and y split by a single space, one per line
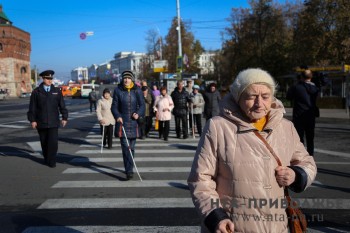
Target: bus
86 89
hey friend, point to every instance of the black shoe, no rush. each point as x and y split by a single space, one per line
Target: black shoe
166 139
129 176
185 136
52 165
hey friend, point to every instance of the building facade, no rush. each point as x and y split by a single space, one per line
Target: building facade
138 63
80 75
128 61
15 48
206 63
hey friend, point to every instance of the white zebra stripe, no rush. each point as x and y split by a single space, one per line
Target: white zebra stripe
120 184
158 151
112 170
112 229
137 159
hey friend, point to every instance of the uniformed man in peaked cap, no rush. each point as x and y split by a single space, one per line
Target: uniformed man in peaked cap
46 103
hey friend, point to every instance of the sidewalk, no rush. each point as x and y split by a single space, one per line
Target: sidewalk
327 113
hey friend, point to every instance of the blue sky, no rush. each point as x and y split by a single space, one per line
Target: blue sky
118 25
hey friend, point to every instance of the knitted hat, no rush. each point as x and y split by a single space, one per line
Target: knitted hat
248 77
195 87
128 74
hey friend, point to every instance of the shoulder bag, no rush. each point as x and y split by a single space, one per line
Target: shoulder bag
296 219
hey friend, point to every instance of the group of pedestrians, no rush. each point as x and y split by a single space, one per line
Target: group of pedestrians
246 142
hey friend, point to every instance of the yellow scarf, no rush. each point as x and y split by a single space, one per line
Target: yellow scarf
260 124
130 86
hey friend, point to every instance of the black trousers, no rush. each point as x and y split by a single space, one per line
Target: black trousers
92 103
306 126
164 127
197 118
49 144
108 135
146 126
181 120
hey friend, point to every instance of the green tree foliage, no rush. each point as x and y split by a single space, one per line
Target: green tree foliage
279 37
323 32
191 47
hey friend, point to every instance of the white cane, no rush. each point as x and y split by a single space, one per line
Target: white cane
192 121
132 157
103 135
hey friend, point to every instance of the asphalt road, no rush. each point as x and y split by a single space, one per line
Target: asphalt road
87 191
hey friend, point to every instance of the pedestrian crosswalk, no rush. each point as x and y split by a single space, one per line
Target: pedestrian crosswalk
23 124
163 166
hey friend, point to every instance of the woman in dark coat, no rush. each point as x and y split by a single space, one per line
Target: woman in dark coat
128 107
212 98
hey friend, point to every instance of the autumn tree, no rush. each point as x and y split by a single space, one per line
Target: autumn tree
257 37
322 32
191 47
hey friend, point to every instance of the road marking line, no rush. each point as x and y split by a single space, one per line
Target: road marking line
341 154
333 163
96 169
117 203
137 159
171 140
14 126
36 146
136 203
120 184
175 151
145 144
113 229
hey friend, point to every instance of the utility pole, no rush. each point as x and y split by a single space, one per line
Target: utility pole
179 58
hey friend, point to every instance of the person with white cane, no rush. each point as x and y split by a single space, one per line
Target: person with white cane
106 118
128 107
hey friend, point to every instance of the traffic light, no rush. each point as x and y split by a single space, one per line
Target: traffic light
179 64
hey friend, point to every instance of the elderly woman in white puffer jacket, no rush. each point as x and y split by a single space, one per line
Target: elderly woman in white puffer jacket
105 117
233 169
163 106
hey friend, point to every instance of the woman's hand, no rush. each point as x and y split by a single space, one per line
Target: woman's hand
120 120
285 176
135 116
64 123
225 226
34 124
102 122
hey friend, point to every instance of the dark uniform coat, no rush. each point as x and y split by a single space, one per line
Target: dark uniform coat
44 107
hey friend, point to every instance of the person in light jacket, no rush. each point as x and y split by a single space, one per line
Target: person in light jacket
197 108
163 106
105 117
233 171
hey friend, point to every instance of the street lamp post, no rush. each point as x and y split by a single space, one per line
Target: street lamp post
179 60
